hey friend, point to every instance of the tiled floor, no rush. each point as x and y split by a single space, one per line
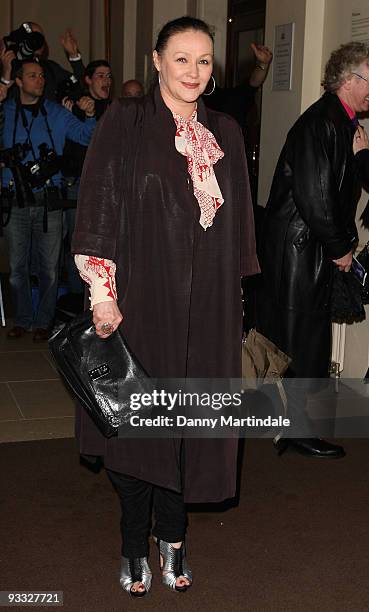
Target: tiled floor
34 403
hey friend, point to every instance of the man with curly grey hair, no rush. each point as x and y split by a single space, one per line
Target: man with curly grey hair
310 234
343 63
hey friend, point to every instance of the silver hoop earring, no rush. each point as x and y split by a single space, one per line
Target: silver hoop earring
159 78
212 91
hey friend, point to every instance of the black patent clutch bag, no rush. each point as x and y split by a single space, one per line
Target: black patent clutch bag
102 374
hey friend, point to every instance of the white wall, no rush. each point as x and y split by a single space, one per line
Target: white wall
280 108
314 39
356 360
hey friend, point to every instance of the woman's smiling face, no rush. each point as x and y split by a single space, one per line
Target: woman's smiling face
185 67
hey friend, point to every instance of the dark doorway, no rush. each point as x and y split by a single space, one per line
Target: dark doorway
246 24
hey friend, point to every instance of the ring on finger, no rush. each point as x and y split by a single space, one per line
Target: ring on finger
107 328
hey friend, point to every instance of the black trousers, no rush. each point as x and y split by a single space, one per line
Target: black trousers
138 498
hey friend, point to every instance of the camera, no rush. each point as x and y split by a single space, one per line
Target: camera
69 88
14 155
12 158
23 42
39 171
31 175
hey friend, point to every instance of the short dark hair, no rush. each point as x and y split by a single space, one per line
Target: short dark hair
18 66
93 66
177 26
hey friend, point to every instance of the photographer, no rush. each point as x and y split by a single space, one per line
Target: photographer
98 82
31 185
29 41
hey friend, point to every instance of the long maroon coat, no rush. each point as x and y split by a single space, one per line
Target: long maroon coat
178 286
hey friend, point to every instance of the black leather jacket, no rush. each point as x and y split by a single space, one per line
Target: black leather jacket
309 221
310 215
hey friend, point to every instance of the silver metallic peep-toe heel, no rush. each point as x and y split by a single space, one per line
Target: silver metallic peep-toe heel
135 570
174 565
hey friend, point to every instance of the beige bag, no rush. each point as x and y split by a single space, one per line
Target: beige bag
262 359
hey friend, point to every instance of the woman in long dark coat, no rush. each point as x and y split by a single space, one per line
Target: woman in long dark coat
160 171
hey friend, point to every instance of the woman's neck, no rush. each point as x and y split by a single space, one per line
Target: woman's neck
184 109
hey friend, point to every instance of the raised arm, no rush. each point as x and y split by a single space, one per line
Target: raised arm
263 59
70 46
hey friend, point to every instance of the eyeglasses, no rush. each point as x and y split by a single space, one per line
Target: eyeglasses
361 76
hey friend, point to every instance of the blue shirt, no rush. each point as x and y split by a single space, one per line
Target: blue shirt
63 124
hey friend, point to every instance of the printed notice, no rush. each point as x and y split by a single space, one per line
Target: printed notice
282 62
360 21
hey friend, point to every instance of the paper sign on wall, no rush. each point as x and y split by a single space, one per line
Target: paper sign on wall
282 62
360 21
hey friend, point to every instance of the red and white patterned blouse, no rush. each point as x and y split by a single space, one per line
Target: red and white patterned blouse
99 273
198 144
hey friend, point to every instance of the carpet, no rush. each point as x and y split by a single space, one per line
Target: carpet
296 541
